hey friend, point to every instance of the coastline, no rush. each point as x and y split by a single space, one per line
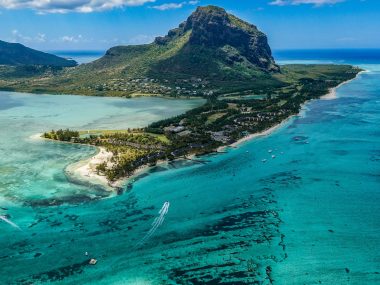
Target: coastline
264 133
332 95
85 170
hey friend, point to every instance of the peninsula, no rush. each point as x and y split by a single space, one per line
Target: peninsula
213 55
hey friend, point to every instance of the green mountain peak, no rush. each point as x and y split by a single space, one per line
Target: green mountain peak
238 41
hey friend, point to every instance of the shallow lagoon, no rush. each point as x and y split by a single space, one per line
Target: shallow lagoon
309 216
32 169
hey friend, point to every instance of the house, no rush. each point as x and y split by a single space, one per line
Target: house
184 133
174 129
219 137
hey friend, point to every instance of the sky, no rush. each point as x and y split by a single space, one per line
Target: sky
52 25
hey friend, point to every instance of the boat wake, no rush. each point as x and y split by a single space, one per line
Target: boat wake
5 219
156 223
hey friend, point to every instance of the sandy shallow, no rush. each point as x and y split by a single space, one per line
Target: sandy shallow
86 170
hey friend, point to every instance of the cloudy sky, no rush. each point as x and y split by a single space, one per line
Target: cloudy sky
100 24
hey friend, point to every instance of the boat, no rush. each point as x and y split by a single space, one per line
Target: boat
263 160
92 261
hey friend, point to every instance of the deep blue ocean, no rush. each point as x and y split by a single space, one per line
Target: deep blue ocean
351 56
311 215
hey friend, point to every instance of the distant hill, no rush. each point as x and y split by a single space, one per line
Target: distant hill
17 54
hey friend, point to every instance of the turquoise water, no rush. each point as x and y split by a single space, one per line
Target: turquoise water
308 216
31 170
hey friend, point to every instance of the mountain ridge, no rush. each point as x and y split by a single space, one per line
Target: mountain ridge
17 54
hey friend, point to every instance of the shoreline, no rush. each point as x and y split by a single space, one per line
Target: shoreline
332 95
85 170
263 133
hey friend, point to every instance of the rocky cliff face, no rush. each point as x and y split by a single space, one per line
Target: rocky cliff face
213 27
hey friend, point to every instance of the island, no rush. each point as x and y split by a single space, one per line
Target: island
213 55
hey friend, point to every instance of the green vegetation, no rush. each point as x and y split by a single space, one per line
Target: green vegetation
17 54
62 135
213 55
217 123
198 58
130 148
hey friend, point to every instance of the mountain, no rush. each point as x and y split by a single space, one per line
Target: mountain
212 52
17 54
211 45
229 40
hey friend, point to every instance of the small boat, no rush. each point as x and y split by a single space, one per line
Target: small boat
270 151
92 261
273 156
263 160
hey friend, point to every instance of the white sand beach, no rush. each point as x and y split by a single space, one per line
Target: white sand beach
86 170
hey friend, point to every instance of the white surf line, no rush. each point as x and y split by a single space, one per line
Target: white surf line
156 223
4 218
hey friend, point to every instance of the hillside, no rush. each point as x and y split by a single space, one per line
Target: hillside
212 52
211 45
16 54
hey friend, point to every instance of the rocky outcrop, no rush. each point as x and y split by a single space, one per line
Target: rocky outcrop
213 27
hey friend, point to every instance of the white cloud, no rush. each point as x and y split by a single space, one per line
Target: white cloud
168 6
41 38
65 6
17 37
299 2
68 39
171 6
71 39
279 3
